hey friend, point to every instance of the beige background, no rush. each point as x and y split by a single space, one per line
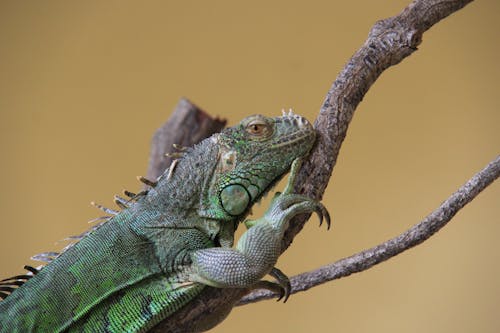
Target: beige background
83 85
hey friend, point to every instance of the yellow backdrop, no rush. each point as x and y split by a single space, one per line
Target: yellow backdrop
83 85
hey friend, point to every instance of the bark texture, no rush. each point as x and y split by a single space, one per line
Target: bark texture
188 125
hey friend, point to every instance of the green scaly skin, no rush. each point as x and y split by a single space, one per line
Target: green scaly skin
156 255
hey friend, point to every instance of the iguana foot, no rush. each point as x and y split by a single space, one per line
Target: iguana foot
286 206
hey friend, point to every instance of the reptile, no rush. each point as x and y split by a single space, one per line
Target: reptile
157 253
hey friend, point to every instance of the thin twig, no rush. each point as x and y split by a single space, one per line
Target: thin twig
431 224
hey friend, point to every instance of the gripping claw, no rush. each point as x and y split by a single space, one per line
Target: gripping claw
284 282
323 213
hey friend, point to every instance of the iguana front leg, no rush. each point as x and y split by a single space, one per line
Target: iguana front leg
257 250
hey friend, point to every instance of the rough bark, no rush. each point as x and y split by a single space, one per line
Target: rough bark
389 42
188 125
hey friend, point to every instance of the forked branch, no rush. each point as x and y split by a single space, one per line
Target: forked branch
389 42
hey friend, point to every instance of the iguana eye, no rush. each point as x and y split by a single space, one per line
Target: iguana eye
259 128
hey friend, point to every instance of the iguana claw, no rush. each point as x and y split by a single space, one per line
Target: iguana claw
323 213
283 281
272 287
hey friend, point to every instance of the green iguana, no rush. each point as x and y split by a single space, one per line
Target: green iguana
168 243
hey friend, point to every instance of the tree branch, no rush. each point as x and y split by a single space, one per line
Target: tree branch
389 42
417 234
187 126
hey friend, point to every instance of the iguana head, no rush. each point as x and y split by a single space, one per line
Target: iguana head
254 155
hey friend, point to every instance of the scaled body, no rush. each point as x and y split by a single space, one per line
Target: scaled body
155 256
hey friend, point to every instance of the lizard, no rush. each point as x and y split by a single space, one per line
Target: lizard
167 243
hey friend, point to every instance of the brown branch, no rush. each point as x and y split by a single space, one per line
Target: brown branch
389 42
188 125
410 238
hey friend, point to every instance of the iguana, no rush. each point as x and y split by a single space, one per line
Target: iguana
150 259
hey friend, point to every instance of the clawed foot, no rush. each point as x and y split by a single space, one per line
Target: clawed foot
282 288
286 206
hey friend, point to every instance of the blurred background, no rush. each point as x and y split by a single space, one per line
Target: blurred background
84 84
